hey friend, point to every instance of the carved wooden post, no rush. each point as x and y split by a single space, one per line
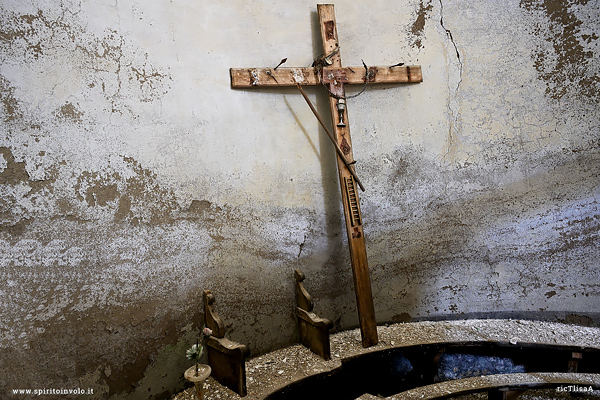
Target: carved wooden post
226 358
314 331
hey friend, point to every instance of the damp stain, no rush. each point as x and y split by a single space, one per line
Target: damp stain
401 167
403 317
123 209
14 173
95 189
150 202
17 228
199 205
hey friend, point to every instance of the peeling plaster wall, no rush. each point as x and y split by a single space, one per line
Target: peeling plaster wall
133 176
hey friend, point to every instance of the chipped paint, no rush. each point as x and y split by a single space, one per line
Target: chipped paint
418 27
254 79
571 46
298 75
11 107
69 111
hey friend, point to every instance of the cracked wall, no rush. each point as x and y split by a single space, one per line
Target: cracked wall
133 177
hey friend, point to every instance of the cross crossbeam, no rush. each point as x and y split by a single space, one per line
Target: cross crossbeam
249 77
329 72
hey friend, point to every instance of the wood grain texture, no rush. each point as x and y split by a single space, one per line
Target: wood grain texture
356 237
358 75
251 77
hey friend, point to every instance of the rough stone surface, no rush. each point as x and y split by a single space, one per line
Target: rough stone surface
132 176
276 369
537 394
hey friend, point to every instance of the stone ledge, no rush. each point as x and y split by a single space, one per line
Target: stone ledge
271 371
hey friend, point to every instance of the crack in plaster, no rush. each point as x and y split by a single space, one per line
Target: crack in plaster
116 65
449 33
302 245
453 106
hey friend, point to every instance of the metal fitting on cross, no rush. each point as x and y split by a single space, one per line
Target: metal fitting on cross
341 106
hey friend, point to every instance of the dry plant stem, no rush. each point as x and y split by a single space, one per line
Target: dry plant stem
196 359
199 390
337 147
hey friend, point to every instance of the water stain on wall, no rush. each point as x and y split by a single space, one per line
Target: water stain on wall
133 194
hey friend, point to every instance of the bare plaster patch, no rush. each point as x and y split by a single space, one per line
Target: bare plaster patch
94 380
10 103
69 111
14 172
567 65
418 27
163 376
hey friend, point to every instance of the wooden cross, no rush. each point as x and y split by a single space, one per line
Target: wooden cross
328 71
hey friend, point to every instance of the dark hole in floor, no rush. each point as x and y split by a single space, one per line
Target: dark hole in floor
392 371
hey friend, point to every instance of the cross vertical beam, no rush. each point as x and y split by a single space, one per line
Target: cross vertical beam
350 200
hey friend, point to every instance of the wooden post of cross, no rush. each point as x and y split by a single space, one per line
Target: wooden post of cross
328 71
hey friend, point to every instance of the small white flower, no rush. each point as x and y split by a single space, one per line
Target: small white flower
195 352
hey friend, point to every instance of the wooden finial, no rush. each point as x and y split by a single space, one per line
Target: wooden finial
302 297
212 320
